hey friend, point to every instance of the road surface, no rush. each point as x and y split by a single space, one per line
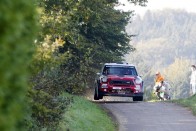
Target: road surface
151 116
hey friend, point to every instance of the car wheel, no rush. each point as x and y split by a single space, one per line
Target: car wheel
96 96
138 98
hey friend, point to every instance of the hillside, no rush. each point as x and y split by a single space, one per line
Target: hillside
165 41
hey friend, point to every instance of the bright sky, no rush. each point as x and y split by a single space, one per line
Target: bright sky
188 5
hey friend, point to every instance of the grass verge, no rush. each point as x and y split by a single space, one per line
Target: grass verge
84 115
188 102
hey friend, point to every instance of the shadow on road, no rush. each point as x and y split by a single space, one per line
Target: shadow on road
110 99
101 102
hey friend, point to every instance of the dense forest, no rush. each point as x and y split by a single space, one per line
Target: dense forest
165 42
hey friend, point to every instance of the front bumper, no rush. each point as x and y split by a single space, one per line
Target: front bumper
122 94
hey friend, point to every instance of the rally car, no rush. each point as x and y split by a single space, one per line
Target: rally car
119 79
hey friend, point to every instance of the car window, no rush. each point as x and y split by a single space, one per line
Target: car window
119 70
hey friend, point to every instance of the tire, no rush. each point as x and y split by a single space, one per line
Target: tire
96 96
138 98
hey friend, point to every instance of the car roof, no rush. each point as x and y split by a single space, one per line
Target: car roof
118 64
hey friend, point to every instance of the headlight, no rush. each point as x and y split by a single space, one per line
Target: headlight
104 79
137 87
138 80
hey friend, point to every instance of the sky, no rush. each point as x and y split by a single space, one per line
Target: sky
188 5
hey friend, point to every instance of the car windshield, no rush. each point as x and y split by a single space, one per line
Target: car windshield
119 70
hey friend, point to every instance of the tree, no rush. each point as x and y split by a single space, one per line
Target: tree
93 33
178 75
76 37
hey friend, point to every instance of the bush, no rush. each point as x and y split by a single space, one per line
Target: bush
18 28
47 110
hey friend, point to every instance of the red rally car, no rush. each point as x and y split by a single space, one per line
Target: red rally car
119 79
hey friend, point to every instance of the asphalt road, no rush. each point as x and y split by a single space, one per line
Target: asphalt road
151 116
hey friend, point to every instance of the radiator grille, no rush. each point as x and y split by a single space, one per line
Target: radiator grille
121 82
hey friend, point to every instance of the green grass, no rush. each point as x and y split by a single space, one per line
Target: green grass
188 102
84 115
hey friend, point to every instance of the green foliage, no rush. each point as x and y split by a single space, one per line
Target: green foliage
140 2
47 110
92 32
188 102
18 28
149 95
85 115
47 103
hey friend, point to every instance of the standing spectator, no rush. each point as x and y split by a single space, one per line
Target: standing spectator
193 80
